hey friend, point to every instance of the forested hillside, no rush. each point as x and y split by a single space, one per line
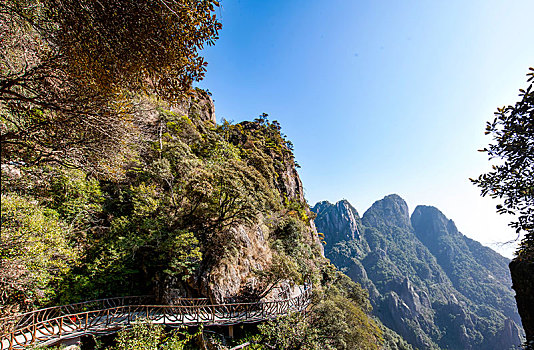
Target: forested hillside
201 210
116 179
426 280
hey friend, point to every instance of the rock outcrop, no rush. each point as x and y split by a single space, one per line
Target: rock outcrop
523 283
230 276
198 106
509 336
341 219
390 211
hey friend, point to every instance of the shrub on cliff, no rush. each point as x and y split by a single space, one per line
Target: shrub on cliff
35 252
147 336
337 319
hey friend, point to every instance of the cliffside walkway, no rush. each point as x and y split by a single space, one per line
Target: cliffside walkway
52 325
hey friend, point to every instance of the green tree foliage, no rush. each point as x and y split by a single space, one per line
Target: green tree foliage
338 319
147 336
283 268
141 246
291 332
76 197
393 341
512 180
34 250
173 213
69 69
213 185
295 259
263 147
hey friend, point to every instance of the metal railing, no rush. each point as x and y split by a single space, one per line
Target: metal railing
47 326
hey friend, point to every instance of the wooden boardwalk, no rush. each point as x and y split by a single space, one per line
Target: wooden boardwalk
51 325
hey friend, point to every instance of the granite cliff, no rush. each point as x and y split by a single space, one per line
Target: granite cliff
522 271
199 210
235 266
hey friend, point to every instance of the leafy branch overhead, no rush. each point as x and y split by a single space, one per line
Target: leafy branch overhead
512 179
69 70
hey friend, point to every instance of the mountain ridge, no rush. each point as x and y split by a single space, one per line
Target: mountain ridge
418 289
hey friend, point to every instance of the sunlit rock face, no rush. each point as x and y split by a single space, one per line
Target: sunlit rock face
341 219
228 278
198 106
426 280
388 212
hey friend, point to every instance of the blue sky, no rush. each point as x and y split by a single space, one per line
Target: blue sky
379 97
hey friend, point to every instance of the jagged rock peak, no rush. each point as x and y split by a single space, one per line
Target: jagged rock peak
343 206
340 220
428 220
321 206
392 210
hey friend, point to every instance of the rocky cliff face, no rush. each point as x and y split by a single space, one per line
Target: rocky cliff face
199 106
427 281
391 211
341 219
523 283
229 277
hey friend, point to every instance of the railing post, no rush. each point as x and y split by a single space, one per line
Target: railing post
33 328
11 340
86 320
107 317
129 315
60 326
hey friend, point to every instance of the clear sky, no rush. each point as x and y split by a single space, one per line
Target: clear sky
379 97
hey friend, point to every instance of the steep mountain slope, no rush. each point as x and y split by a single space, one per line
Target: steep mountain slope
434 286
203 210
476 271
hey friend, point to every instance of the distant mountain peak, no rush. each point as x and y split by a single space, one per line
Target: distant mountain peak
341 218
344 205
322 204
392 210
430 220
427 281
